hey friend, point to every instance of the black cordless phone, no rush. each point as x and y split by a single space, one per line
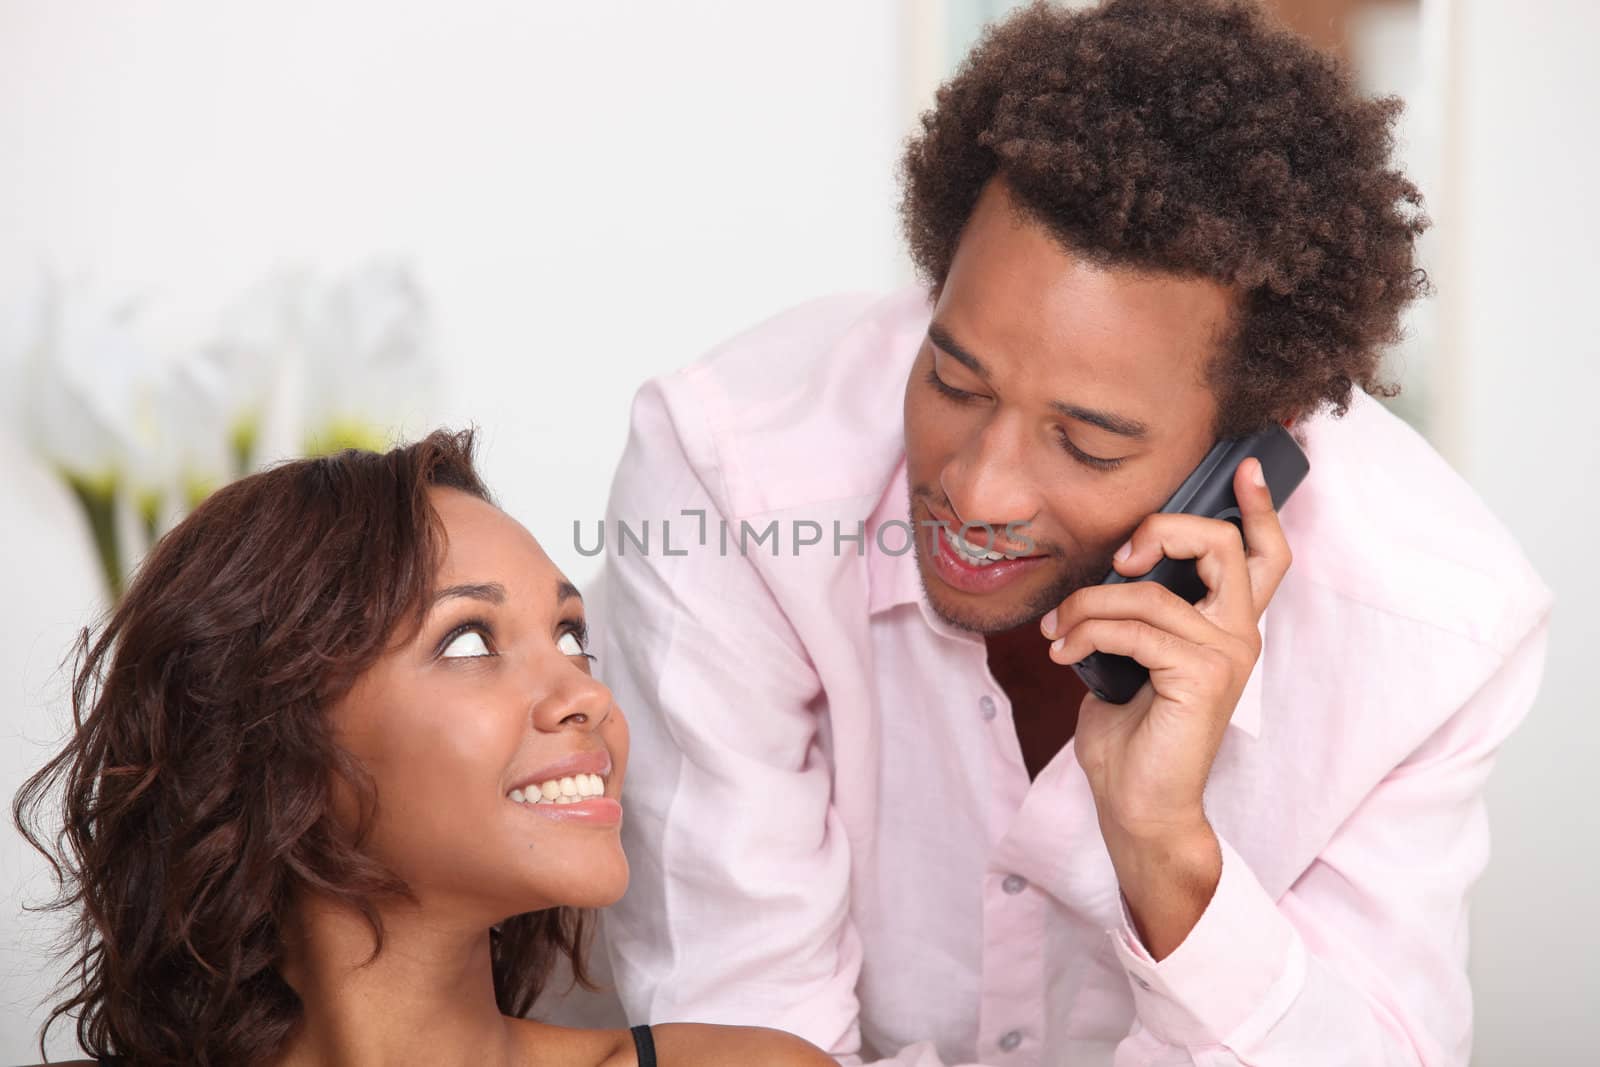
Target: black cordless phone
1207 491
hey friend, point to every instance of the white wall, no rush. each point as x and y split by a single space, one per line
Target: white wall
592 193
1524 366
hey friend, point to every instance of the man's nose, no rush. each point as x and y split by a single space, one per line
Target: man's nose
987 480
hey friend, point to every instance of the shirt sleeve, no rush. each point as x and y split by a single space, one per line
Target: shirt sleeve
737 911
1363 961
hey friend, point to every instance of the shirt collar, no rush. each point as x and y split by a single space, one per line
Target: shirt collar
893 580
892 573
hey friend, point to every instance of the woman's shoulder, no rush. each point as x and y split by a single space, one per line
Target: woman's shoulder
550 1043
704 1045
676 1045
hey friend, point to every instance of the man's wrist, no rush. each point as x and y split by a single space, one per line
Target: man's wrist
1167 880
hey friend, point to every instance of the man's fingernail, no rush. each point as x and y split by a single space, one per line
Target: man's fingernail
1258 477
1126 550
1055 646
1049 622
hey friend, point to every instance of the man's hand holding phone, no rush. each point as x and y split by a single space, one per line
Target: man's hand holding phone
1147 761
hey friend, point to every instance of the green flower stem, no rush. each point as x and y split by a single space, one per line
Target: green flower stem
149 507
196 488
98 498
339 434
242 444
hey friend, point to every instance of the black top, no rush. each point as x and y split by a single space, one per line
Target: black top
643 1044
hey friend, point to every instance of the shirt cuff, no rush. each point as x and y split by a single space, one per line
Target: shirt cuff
1231 978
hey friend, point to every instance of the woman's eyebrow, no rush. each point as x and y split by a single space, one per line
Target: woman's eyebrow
566 591
493 592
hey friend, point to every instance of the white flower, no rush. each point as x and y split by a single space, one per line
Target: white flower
94 390
368 357
203 419
235 374
84 369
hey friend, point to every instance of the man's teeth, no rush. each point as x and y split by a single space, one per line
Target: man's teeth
974 554
561 790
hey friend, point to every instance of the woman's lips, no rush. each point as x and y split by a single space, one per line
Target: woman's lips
579 789
976 579
595 761
590 811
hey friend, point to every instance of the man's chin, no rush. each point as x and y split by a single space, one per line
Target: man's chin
986 614
964 617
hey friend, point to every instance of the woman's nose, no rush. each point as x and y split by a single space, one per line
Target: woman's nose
579 702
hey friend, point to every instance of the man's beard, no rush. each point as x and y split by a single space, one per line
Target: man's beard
1077 575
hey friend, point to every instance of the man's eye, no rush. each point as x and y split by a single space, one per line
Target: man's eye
466 645
1083 457
569 644
961 396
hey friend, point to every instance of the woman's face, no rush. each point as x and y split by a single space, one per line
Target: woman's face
478 731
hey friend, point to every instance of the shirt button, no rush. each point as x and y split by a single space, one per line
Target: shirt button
986 708
1014 884
1010 1040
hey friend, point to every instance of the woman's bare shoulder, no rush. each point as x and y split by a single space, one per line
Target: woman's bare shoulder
702 1045
549 1043
677 1045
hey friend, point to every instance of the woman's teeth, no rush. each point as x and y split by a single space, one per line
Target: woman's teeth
561 790
971 553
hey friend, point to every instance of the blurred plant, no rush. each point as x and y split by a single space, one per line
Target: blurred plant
90 379
367 357
128 425
239 368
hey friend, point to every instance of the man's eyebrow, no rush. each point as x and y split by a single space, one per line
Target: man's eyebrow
493 592
566 591
941 337
1106 420
1117 424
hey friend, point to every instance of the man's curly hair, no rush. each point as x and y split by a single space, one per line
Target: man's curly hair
1190 137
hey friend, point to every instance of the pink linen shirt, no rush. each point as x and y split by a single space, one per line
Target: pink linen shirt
830 826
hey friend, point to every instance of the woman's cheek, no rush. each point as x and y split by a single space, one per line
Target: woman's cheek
617 737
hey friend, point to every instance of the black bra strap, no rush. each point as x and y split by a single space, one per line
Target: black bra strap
644 1045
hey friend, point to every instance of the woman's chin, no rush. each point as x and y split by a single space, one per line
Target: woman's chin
596 884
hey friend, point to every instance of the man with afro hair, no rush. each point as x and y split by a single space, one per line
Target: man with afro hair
870 801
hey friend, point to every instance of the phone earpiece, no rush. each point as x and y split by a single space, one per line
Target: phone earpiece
1207 491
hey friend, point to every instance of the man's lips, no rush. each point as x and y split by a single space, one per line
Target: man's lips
989 539
974 579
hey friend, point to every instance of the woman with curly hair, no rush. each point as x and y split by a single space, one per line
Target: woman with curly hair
343 788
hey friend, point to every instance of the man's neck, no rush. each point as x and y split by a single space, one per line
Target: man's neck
1044 694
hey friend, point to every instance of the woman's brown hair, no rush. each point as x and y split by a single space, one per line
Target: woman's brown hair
197 789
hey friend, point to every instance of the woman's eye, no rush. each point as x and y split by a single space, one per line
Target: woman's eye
569 644
465 646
